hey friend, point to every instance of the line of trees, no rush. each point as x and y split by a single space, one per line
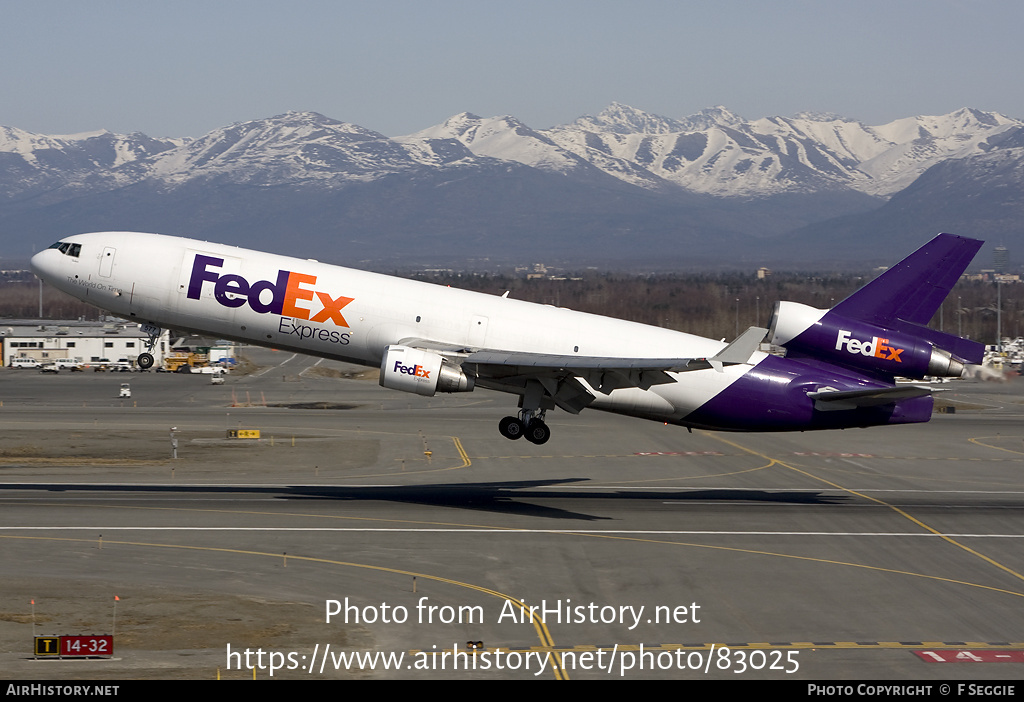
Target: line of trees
712 305
722 305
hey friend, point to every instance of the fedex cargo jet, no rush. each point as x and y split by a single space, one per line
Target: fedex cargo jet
839 369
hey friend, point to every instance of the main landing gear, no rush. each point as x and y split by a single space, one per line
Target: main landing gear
529 424
145 359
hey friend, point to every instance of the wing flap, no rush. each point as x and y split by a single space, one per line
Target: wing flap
569 363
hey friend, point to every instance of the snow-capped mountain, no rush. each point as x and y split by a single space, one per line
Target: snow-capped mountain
980 195
641 183
504 138
32 164
713 152
293 148
507 139
623 119
728 157
718 153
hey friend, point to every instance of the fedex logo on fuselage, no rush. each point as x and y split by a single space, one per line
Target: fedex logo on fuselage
287 294
417 370
877 347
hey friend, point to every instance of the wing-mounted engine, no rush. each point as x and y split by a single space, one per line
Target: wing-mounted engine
912 351
422 372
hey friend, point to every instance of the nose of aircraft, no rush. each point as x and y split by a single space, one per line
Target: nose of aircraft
44 263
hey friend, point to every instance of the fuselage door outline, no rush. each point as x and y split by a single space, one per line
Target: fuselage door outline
107 261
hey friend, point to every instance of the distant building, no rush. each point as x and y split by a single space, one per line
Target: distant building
1000 259
990 276
763 273
84 342
539 271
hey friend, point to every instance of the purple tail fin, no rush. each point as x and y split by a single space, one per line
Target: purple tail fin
906 296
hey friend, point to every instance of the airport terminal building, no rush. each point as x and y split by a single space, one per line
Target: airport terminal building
84 342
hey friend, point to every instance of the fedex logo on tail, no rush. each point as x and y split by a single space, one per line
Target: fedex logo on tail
877 347
287 295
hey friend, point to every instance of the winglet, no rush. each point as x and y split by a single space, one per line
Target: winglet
739 351
743 347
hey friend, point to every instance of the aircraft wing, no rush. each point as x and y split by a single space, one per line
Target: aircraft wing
558 374
739 351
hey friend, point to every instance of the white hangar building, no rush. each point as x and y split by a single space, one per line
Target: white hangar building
81 341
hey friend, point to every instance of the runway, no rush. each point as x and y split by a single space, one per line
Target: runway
811 556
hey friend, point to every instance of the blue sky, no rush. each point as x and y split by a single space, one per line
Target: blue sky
183 68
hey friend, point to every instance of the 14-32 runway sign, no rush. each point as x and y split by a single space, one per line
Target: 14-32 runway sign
75 646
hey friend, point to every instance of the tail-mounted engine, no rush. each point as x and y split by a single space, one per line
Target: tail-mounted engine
824 335
422 372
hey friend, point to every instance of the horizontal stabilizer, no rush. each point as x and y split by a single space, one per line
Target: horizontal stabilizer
830 400
966 349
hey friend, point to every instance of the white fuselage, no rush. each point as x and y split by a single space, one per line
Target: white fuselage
352 315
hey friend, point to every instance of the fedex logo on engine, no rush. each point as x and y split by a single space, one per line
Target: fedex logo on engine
417 370
877 347
287 294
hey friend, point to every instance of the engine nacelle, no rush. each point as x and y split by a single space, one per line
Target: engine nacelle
421 372
824 335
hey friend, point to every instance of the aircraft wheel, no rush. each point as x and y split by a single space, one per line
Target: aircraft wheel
510 428
145 360
538 432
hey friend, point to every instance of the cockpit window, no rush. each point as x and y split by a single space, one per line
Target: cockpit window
67 248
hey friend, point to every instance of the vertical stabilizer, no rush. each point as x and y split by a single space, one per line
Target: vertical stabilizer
913 289
882 328
907 296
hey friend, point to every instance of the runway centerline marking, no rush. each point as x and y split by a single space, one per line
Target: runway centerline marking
508 530
977 441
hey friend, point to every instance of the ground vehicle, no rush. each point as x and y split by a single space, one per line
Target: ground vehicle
25 363
126 390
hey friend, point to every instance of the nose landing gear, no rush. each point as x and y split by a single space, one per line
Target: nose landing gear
145 359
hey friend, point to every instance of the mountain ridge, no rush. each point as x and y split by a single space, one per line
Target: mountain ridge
686 187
